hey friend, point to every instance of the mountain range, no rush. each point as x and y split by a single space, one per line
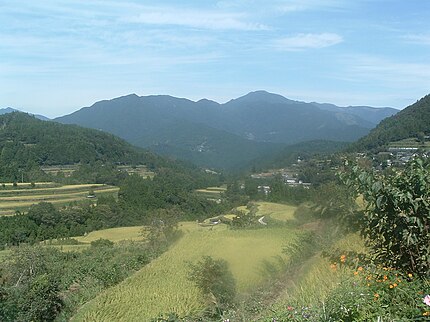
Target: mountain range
225 135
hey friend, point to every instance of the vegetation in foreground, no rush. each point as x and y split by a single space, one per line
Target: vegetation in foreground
148 293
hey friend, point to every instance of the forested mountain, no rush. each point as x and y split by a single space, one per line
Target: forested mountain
413 121
304 150
7 110
222 135
27 143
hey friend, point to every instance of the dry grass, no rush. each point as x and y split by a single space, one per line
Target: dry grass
22 199
162 286
113 234
277 211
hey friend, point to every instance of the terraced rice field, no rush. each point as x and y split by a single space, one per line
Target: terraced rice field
277 211
113 234
21 199
162 285
211 192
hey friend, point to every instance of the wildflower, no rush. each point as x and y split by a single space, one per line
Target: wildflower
290 308
395 284
410 275
427 313
343 258
391 286
369 278
375 296
385 277
360 269
333 266
368 284
355 273
426 299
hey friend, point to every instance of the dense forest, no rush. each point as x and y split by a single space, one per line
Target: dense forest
413 121
27 143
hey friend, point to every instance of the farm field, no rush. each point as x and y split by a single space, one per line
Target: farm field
140 170
410 143
113 234
277 211
22 199
211 192
162 286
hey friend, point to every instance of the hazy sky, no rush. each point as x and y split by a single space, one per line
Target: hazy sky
59 55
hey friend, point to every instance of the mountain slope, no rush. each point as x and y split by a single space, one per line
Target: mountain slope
208 147
410 122
27 143
7 110
367 113
230 133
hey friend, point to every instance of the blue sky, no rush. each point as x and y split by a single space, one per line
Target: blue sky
57 56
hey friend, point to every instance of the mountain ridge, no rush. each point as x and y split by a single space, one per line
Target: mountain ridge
256 117
409 122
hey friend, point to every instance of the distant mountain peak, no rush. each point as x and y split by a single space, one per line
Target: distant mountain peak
7 110
205 101
262 96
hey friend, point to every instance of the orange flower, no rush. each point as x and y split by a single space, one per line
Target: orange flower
385 277
355 273
395 284
343 258
427 313
391 286
333 266
360 269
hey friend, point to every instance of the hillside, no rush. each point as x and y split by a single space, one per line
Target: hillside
27 143
7 110
413 121
198 131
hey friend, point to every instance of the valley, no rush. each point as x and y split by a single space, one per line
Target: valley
215 161
126 231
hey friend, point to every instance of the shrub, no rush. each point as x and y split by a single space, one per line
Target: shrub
216 282
396 219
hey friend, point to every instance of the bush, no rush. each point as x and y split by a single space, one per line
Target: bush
215 281
396 219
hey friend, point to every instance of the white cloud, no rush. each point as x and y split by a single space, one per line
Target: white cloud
307 41
192 18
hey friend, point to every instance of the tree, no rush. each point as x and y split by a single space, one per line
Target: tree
396 218
215 281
